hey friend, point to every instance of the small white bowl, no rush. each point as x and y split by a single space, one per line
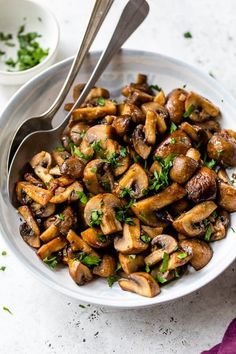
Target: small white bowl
36 18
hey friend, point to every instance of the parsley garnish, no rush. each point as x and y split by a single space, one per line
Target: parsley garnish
123 151
4 253
145 238
93 169
208 233
164 265
147 268
173 127
2 52
155 87
111 280
161 180
112 160
182 255
210 164
106 186
102 238
2 268
59 149
160 279
232 229
80 154
89 260
96 217
118 267
172 140
82 306
188 35
51 262
60 217
97 147
189 111
7 310
121 216
82 197
126 192
5 37
101 101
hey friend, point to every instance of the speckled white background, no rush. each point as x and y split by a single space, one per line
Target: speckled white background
44 321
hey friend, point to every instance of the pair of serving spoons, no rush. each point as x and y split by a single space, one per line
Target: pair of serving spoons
36 133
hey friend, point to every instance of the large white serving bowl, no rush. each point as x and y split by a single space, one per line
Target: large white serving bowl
35 97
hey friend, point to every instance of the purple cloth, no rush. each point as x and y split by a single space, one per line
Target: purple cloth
228 344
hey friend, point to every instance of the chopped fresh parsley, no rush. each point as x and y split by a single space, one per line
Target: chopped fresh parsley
106 186
123 151
97 147
93 169
126 192
59 149
96 218
121 216
165 262
118 267
111 280
173 127
208 233
112 160
161 180
160 279
147 268
210 164
7 310
145 238
182 255
188 35
172 140
155 87
51 262
2 53
5 37
82 197
2 268
60 217
89 260
80 154
233 229
101 101
10 44
4 253
82 306
102 238
189 111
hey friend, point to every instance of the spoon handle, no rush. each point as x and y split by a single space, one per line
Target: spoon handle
132 16
99 13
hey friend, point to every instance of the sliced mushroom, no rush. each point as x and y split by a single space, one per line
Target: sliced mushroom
161 244
146 209
202 186
53 246
98 177
183 168
191 223
131 263
122 124
210 126
161 115
201 252
222 147
42 211
95 92
152 231
29 230
176 143
139 142
194 154
77 132
73 167
41 164
60 156
201 108
93 113
79 272
160 98
150 127
64 221
195 132
178 259
95 238
38 194
106 268
140 283
100 133
119 161
134 179
130 242
69 193
176 105
226 196
32 180
104 205
77 244
50 233
134 112
136 95
220 226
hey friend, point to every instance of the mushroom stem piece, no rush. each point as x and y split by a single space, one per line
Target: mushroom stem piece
140 283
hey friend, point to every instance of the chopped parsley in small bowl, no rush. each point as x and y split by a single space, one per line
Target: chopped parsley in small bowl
28 40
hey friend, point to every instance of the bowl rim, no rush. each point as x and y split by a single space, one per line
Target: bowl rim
90 298
51 53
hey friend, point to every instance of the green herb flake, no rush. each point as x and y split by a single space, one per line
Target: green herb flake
173 127
2 52
51 262
7 310
106 186
147 268
233 229
210 164
176 274
10 44
172 140
208 233
59 149
82 197
93 169
189 111
182 255
101 101
118 267
165 262
97 147
89 260
96 218
60 217
126 192
187 35
145 238
82 306
40 19
161 180
2 268
5 37
155 87
102 238
123 151
111 280
160 279
80 154
4 253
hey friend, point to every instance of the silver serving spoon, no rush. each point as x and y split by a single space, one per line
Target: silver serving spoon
44 121
132 16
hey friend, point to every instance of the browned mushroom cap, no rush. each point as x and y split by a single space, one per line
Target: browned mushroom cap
38 194
150 127
130 243
200 108
136 96
53 246
67 194
98 177
117 156
139 142
42 211
195 132
73 167
99 133
106 268
179 207
190 223
79 272
226 196
133 111
167 276
77 132
161 115
152 231
210 126
29 230
202 186
201 252
95 238
178 259
220 226
101 211
146 209
64 221
122 124
131 263
194 154
93 113
77 244
161 244
176 143
176 105
222 147
183 168
140 283
135 179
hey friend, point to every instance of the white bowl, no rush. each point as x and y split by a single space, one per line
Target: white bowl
13 14
167 73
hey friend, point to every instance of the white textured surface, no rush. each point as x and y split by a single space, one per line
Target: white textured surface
46 322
